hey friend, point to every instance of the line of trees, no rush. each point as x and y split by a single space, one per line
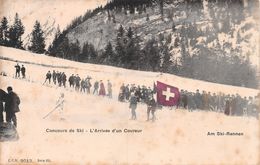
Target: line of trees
210 64
195 59
11 35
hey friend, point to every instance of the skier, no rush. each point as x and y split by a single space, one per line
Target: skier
83 86
17 69
60 105
63 79
48 77
96 86
23 71
133 106
77 81
109 89
59 76
88 85
54 77
11 106
72 80
151 107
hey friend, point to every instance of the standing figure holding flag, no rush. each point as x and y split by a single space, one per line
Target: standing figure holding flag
151 107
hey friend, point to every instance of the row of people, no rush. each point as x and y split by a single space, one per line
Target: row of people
142 93
79 84
229 104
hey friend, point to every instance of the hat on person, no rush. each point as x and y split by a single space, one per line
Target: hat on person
9 89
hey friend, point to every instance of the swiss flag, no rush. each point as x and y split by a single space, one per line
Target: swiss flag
167 95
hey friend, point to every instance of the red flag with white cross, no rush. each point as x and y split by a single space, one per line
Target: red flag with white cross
167 95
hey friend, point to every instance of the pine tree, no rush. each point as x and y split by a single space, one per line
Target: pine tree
130 33
4 32
74 51
147 17
64 49
52 50
151 57
121 31
38 40
120 47
15 33
166 55
93 53
84 56
108 55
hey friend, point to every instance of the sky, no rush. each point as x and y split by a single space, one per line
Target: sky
62 11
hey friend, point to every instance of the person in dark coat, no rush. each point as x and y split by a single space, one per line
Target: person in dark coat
11 106
23 71
227 108
64 79
184 99
198 100
88 85
72 80
77 82
122 92
138 93
83 86
127 92
133 106
2 99
48 77
96 86
17 70
54 77
151 107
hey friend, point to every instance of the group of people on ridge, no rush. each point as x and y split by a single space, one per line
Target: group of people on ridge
83 85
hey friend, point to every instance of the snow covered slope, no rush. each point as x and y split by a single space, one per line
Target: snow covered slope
177 137
38 65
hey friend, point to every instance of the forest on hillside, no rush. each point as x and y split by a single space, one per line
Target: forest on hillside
188 50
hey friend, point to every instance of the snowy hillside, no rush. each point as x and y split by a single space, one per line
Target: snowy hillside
177 137
42 64
100 29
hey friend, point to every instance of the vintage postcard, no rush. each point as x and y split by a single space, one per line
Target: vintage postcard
129 82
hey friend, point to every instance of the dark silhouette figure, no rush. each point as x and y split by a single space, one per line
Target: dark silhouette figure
2 99
17 70
23 70
12 106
